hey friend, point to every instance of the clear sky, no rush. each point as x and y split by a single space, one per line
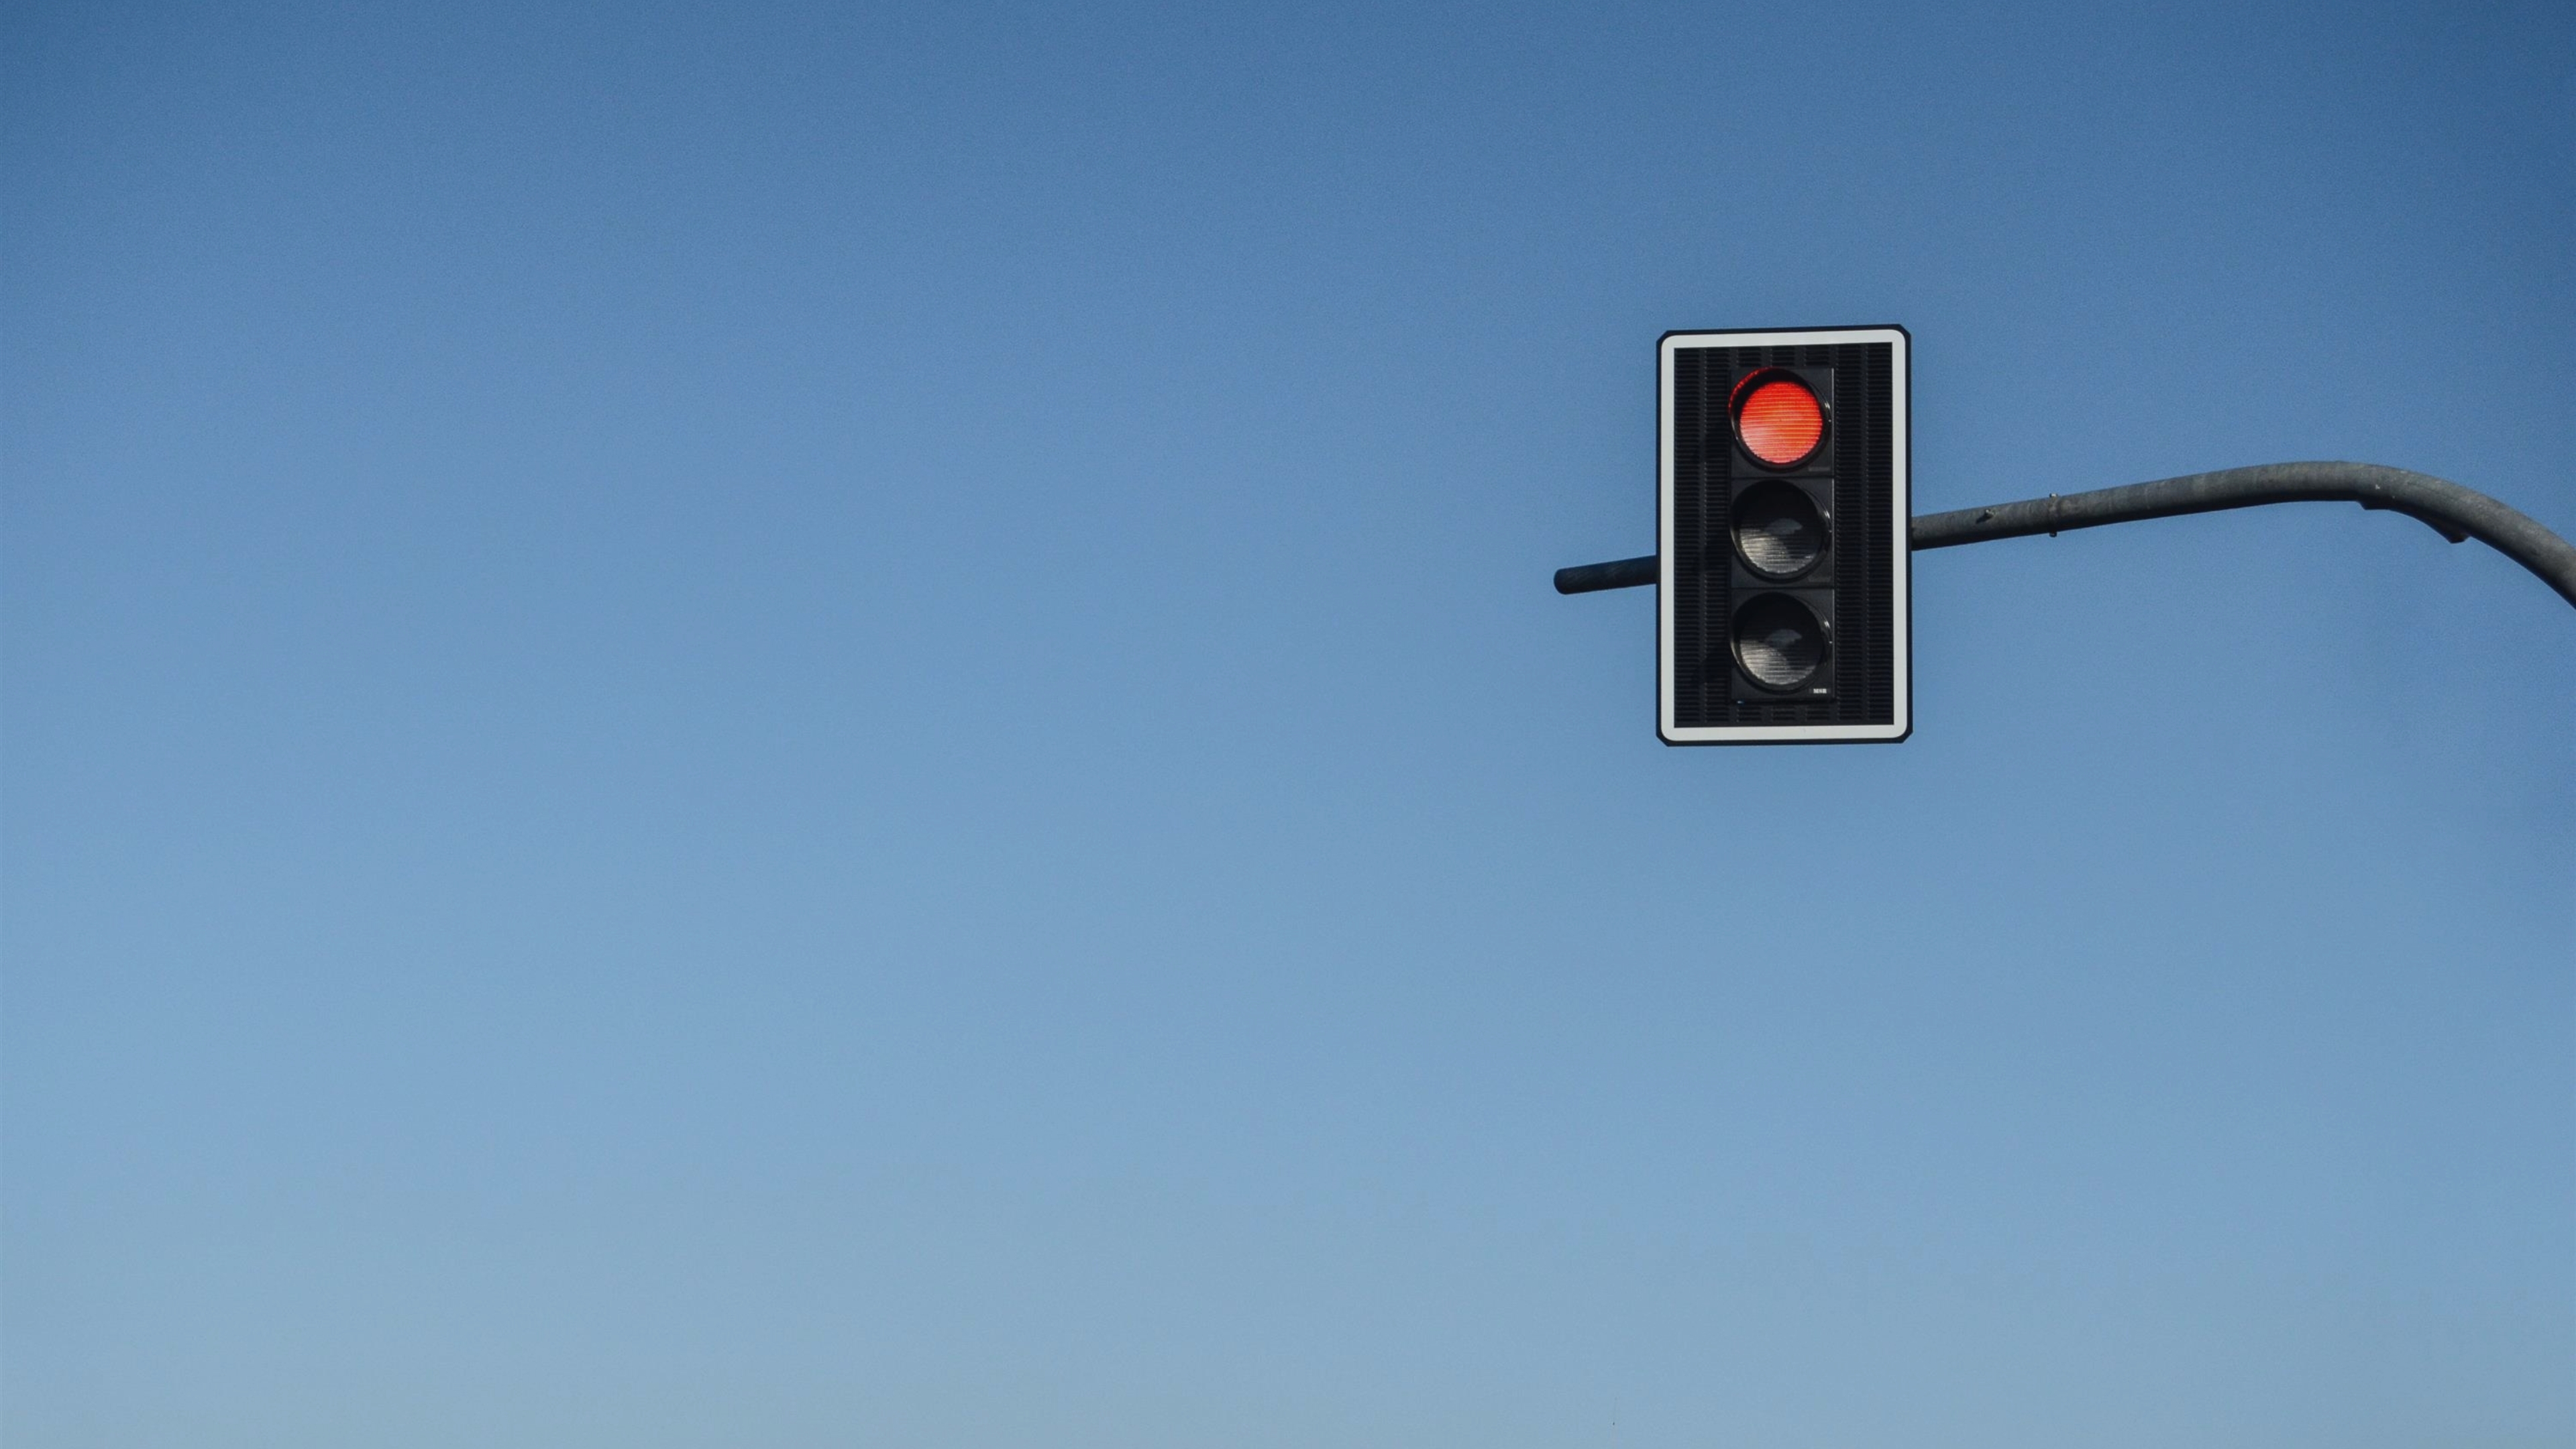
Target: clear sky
826 725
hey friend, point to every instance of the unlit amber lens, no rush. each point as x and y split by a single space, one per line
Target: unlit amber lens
1781 422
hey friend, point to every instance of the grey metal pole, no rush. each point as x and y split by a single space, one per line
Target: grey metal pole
2455 512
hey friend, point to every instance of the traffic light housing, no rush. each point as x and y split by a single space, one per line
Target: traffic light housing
1783 587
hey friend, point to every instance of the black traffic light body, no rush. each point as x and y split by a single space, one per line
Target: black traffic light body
1783 602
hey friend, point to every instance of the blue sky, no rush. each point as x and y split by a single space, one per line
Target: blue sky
812 725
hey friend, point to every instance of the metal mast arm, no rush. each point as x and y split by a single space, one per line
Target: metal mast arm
2455 512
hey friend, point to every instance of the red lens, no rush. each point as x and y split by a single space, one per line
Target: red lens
1780 421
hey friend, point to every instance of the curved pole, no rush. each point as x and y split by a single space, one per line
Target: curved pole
2455 512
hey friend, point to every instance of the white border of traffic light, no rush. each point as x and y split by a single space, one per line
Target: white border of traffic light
1901 544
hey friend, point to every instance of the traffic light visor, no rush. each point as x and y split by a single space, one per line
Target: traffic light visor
1778 419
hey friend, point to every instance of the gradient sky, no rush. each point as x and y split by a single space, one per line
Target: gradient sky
815 725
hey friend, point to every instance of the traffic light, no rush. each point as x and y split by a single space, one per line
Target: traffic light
1781 551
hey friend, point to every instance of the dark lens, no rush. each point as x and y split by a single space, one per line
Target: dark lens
1778 530
1778 641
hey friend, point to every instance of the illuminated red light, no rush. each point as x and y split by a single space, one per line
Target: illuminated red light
1779 420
